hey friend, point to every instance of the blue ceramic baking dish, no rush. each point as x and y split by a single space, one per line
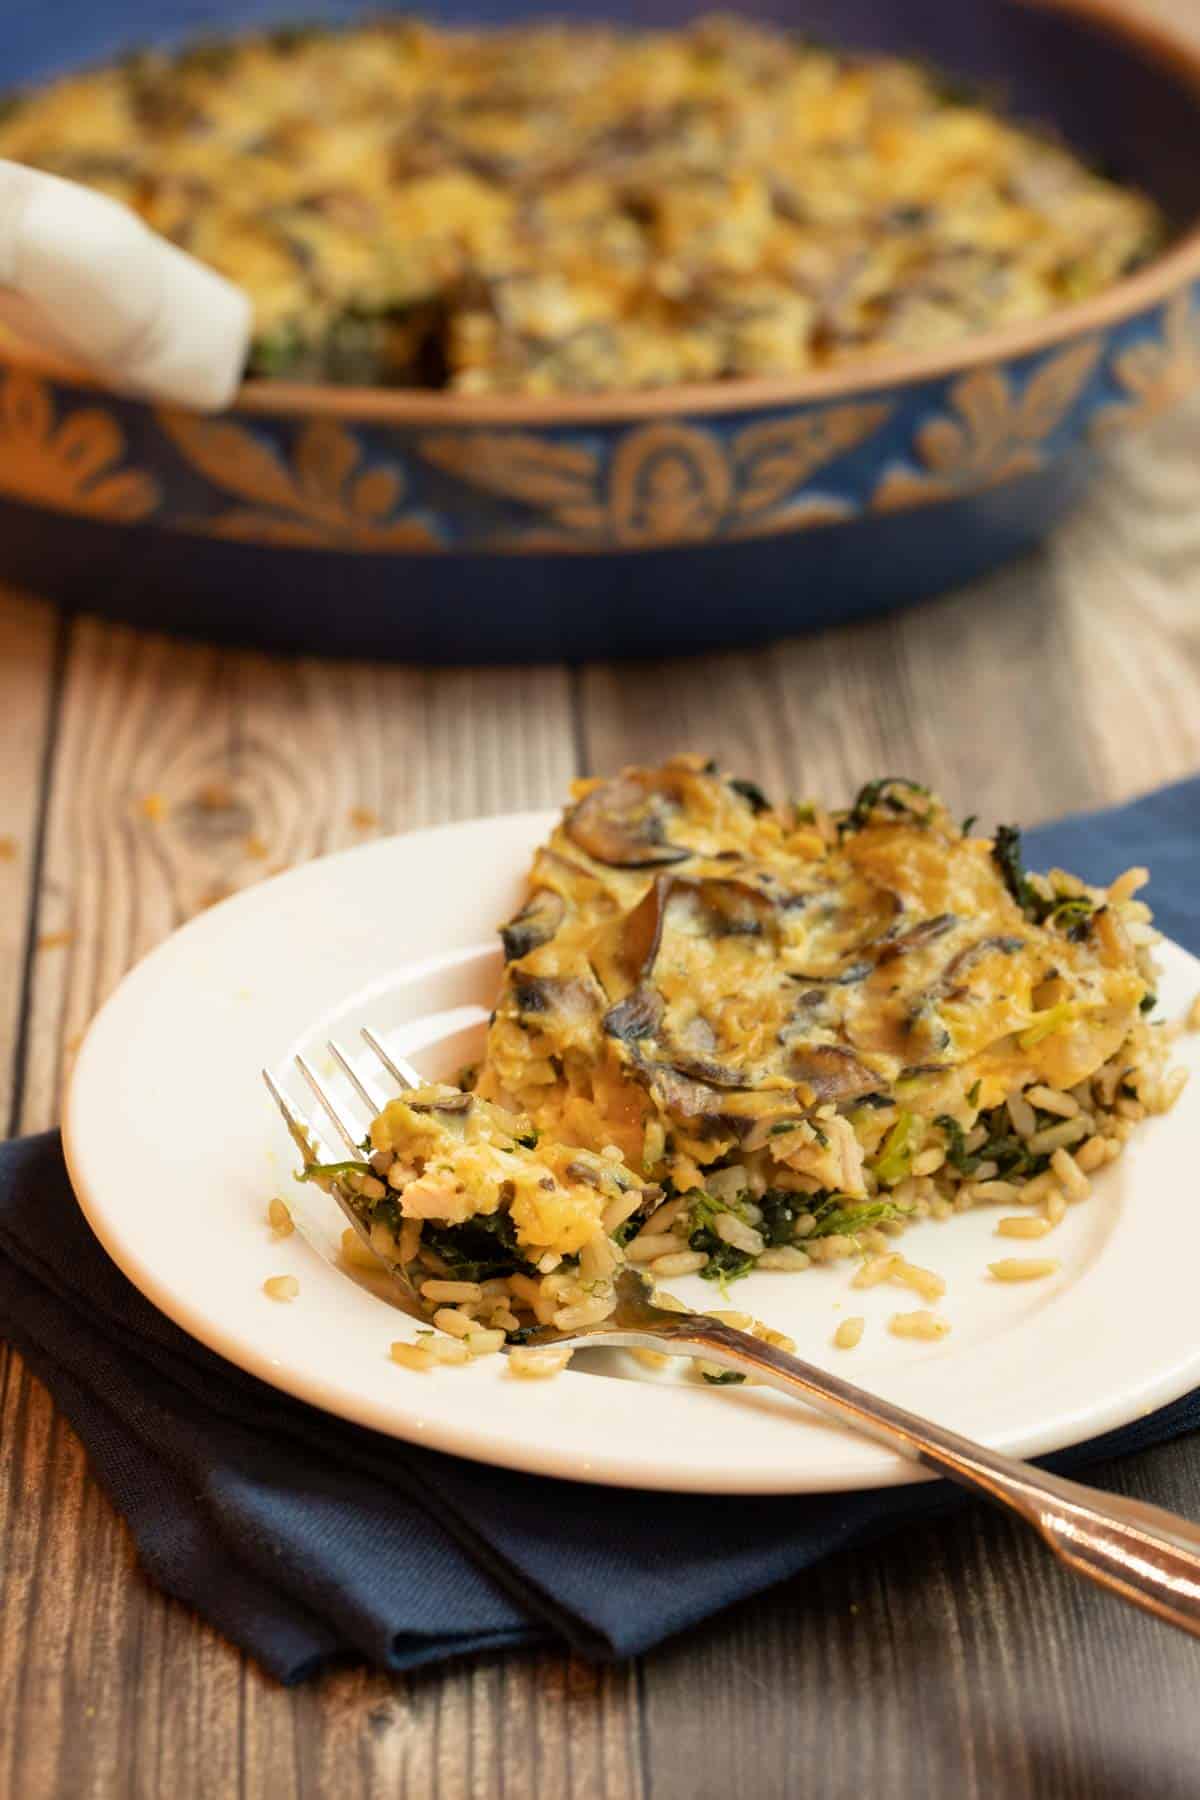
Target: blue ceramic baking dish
439 528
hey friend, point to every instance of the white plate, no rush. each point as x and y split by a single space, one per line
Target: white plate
175 1152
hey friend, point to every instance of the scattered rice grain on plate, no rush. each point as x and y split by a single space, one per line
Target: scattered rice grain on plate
412 1356
280 1219
1024 1268
538 1365
1023 1225
281 1287
849 1333
920 1324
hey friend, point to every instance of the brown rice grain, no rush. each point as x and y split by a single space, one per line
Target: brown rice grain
743 1237
1072 1177
1057 1137
484 1343
1024 1120
410 1240
784 1256
680 1262
849 1333
1056 1206
649 1359
281 1287
1091 1155
651 1245
875 1270
925 1282
451 1290
618 1210
280 1219
1053 1100
996 1190
458 1324
1024 1225
412 1356
1127 885
449 1350
929 1161
1023 1268
537 1365
920 1324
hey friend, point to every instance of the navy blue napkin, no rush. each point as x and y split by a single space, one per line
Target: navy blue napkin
302 1538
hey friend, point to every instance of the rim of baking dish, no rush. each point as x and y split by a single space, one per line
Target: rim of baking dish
1161 278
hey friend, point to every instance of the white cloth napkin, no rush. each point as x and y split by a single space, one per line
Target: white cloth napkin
102 286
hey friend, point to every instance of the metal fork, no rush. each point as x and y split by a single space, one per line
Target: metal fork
1143 1553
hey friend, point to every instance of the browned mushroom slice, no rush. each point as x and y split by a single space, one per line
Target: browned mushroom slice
916 938
683 1097
546 999
832 1072
709 908
636 1017
623 823
534 925
950 980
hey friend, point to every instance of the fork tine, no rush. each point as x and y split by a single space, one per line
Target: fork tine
291 1118
364 1093
400 1071
323 1100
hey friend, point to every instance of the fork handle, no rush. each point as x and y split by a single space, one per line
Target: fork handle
1143 1553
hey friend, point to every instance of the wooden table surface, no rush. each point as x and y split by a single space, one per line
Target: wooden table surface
957 1661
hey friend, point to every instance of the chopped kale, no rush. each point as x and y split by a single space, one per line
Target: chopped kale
530 1140
725 1262
780 1211
1073 917
968 822
1006 854
727 1378
896 1152
1147 1003
479 1249
957 1154
751 793
880 794
839 1216
625 1230
804 812
973 1093
331 1171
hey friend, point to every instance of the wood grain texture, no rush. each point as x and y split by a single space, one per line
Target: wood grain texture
958 1662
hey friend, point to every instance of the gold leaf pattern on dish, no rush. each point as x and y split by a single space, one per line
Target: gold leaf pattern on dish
323 499
1155 372
667 483
72 466
995 435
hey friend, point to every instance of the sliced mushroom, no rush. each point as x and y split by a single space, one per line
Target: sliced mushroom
832 1072
856 972
546 997
636 1017
683 1097
916 938
623 823
717 909
534 925
950 980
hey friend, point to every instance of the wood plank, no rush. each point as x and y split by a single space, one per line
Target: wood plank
960 1662
183 772
28 637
